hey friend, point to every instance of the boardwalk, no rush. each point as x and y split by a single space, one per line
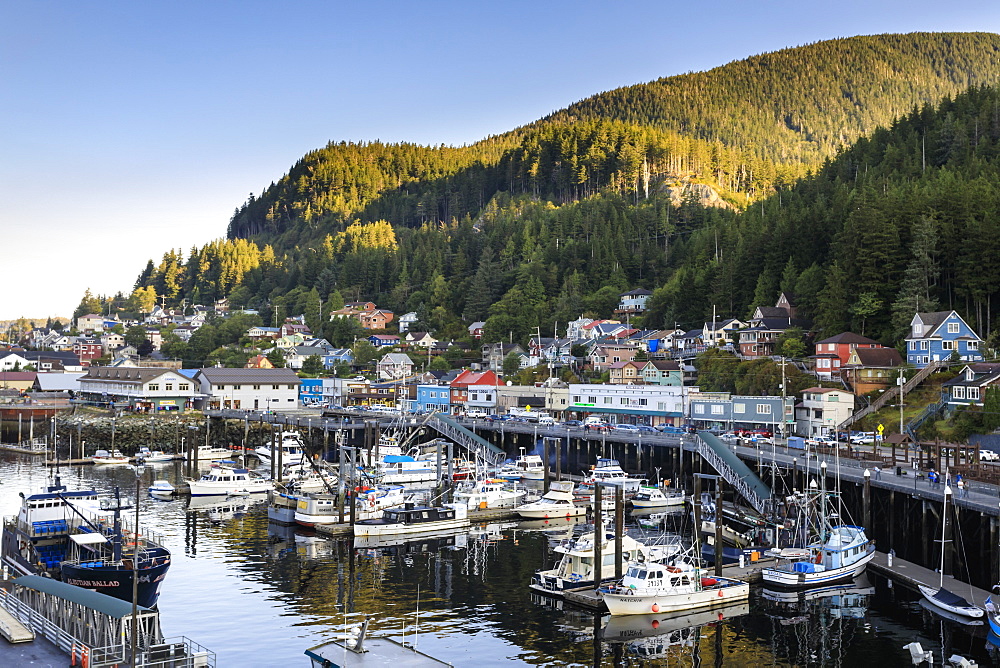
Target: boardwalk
912 575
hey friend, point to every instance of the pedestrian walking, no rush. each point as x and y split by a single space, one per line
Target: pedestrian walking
878 473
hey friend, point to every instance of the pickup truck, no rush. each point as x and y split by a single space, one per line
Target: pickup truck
821 441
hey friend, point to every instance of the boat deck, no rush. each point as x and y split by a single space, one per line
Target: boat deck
911 575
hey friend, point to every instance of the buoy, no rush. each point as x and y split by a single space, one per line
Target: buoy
656 623
656 608
720 593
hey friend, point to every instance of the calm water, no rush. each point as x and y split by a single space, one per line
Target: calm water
260 594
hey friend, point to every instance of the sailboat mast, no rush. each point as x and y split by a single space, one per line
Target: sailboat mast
944 528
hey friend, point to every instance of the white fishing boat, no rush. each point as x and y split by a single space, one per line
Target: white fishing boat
281 506
313 509
525 467
609 472
557 502
939 596
829 553
657 497
673 587
489 493
288 447
576 565
113 457
223 479
154 456
411 519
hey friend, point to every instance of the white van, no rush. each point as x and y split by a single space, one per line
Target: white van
546 419
593 420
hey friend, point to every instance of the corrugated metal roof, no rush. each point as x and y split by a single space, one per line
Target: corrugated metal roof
109 605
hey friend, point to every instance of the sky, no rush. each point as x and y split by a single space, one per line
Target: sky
127 129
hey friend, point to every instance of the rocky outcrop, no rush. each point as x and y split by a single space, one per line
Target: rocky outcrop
700 193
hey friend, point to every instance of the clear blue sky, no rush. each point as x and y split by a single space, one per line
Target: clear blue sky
131 128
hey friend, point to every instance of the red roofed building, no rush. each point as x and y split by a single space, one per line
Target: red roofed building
460 386
834 352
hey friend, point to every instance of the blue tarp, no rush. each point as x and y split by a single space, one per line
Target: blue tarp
393 459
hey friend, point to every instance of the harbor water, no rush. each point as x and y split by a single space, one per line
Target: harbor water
259 594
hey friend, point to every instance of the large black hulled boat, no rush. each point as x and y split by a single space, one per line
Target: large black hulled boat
79 538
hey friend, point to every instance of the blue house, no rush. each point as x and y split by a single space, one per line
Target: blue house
383 340
433 398
632 302
338 356
311 391
935 337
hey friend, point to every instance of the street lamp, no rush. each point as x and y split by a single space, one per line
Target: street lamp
140 468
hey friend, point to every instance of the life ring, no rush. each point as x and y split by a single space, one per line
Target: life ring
819 557
371 502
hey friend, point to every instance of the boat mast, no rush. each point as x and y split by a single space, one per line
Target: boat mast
944 526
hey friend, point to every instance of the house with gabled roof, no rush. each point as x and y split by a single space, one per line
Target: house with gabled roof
625 373
602 357
869 369
833 353
406 320
459 386
338 356
662 372
476 329
969 387
935 337
139 388
420 339
394 366
720 332
383 340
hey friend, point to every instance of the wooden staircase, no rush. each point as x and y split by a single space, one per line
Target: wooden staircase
891 393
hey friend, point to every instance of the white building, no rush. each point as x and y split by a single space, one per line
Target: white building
248 389
140 388
646 404
482 398
821 410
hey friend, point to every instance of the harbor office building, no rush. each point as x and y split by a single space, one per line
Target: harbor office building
721 411
247 389
144 389
639 404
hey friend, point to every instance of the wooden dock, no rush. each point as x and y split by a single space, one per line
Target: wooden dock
20 450
911 575
475 517
12 629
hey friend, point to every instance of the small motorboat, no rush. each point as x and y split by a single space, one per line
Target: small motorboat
657 497
112 457
162 488
677 586
154 456
557 502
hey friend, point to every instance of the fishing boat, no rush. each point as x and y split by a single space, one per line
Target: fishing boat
414 519
113 457
830 552
489 493
80 538
525 467
940 596
608 471
288 447
557 502
657 497
676 586
281 506
993 611
576 565
223 478
313 509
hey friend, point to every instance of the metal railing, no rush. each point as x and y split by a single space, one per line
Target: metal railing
891 393
477 445
737 481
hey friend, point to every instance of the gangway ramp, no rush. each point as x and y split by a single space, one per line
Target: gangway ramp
734 471
12 629
466 438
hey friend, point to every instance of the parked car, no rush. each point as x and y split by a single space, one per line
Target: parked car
988 456
864 438
476 414
627 427
572 423
822 441
729 437
669 429
646 429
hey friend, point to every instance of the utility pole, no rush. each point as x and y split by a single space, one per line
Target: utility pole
784 425
899 381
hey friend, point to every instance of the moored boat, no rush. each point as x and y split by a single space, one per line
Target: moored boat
557 502
414 519
223 479
939 596
489 493
657 497
154 456
313 509
70 536
609 472
674 587
110 457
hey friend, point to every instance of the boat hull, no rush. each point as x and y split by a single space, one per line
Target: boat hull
727 592
659 503
783 577
963 611
418 527
550 513
118 582
200 488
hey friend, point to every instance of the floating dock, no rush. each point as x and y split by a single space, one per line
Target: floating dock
911 575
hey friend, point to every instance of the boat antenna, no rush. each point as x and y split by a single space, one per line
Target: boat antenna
416 620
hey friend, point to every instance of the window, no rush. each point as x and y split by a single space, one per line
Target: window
834 397
221 387
256 387
953 328
623 401
154 387
576 398
169 387
699 409
236 387
274 387
661 405
763 409
591 400
923 345
958 392
607 400
913 345
972 345
717 409
739 408
183 387
642 402
947 345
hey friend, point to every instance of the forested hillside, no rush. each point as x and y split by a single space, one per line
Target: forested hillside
532 228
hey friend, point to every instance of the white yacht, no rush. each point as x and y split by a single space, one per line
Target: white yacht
223 479
609 472
396 469
207 454
657 497
113 457
557 502
290 445
674 587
